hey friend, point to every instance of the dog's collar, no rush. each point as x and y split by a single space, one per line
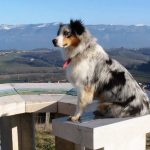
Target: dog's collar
66 63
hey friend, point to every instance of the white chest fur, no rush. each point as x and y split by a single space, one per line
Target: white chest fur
77 72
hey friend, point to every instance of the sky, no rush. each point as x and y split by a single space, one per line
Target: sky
124 12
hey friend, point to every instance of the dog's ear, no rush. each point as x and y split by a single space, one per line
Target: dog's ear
77 26
60 25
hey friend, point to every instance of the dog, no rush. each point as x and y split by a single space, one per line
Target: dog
96 75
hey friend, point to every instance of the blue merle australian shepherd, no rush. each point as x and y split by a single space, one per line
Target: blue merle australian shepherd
95 75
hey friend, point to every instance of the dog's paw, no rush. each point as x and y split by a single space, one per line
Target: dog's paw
73 118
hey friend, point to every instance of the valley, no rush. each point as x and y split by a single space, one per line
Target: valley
45 65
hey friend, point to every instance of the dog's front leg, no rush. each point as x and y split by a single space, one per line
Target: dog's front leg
85 97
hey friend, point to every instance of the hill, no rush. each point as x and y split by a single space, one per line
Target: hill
136 61
30 36
45 65
131 58
30 66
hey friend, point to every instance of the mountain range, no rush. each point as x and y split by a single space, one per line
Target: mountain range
31 36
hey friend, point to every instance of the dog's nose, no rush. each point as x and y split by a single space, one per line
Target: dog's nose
54 42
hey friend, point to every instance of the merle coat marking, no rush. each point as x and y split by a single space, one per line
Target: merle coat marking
95 74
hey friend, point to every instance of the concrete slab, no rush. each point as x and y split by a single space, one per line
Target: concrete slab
18 98
38 88
67 105
7 90
112 134
42 102
11 105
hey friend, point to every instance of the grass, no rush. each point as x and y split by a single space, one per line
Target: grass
141 76
17 67
44 140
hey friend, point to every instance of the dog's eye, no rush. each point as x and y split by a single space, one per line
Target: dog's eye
67 34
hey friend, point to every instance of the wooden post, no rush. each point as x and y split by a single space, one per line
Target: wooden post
47 121
17 132
6 135
27 138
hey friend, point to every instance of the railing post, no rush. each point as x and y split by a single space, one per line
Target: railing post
47 121
17 132
6 134
27 131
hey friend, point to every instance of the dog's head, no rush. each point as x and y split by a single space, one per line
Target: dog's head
68 34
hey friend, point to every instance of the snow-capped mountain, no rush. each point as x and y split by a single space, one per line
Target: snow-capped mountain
32 36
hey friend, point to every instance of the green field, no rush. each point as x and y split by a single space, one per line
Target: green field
46 66
17 67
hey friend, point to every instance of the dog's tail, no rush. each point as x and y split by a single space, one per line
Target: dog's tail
145 107
147 103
